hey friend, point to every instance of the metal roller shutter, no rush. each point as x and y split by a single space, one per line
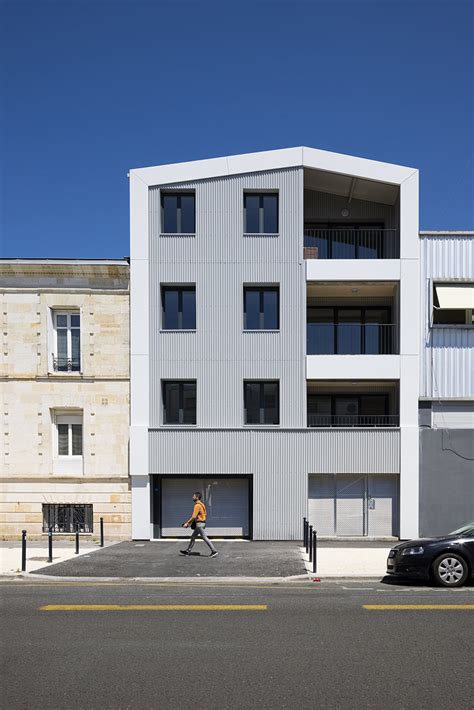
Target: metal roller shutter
321 504
383 506
350 505
226 500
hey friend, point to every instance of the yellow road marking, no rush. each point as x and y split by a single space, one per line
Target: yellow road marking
416 607
278 585
154 607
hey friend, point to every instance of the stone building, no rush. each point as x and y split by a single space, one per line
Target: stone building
64 396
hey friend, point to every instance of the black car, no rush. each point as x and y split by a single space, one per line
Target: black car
449 560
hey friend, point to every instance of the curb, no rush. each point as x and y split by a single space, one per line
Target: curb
293 580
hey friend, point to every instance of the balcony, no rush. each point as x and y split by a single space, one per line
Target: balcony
353 404
353 420
351 338
351 242
65 364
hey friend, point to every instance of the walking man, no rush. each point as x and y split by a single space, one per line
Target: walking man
198 525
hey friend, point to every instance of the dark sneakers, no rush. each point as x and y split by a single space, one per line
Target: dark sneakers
184 552
214 554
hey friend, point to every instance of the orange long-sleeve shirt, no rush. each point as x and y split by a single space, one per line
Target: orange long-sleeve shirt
199 513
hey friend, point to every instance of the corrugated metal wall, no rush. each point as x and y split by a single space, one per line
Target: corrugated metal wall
447 362
279 462
219 355
220 260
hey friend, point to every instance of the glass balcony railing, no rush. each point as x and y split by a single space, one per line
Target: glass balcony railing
351 243
350 338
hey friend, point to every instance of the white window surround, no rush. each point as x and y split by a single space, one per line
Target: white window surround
454 296
66 357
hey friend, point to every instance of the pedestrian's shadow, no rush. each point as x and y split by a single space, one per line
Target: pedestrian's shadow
195 554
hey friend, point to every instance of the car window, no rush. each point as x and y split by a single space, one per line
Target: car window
467 529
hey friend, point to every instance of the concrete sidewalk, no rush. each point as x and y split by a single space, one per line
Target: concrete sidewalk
354 559
37 554
161 560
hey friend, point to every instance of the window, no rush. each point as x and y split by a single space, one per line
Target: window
453 304
261 402
67 337
178 214
260 213
261 308
68 435
179 402
64 518
178 307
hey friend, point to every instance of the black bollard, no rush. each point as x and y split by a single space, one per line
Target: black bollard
310 543
102 532
77 538
23 550
315 547
304 532
50 544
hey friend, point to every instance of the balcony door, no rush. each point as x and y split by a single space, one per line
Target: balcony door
349 331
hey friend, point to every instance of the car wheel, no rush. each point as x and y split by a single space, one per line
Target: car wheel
450 570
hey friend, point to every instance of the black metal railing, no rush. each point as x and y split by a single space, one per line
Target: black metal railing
350 338
65 364
67 518
362 243
353 420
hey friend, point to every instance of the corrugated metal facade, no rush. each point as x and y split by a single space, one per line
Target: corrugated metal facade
447 362
220 355
220 260
279 462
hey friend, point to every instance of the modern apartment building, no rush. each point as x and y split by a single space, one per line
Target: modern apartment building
447 381
64 385
275 342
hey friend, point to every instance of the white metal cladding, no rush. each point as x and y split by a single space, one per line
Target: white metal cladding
279 462
447 362
219 259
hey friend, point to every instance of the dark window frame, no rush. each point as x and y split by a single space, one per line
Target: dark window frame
180 288
178 194
58 516
262 384
261 289
181 411
261 194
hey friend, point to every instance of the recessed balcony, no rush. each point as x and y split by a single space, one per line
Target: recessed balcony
352 318
352 404
346 217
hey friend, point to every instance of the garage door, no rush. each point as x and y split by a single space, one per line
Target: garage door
226 500
354 505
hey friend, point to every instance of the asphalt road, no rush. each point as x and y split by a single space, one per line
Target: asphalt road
313 645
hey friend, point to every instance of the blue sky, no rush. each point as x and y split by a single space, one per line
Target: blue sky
91 89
